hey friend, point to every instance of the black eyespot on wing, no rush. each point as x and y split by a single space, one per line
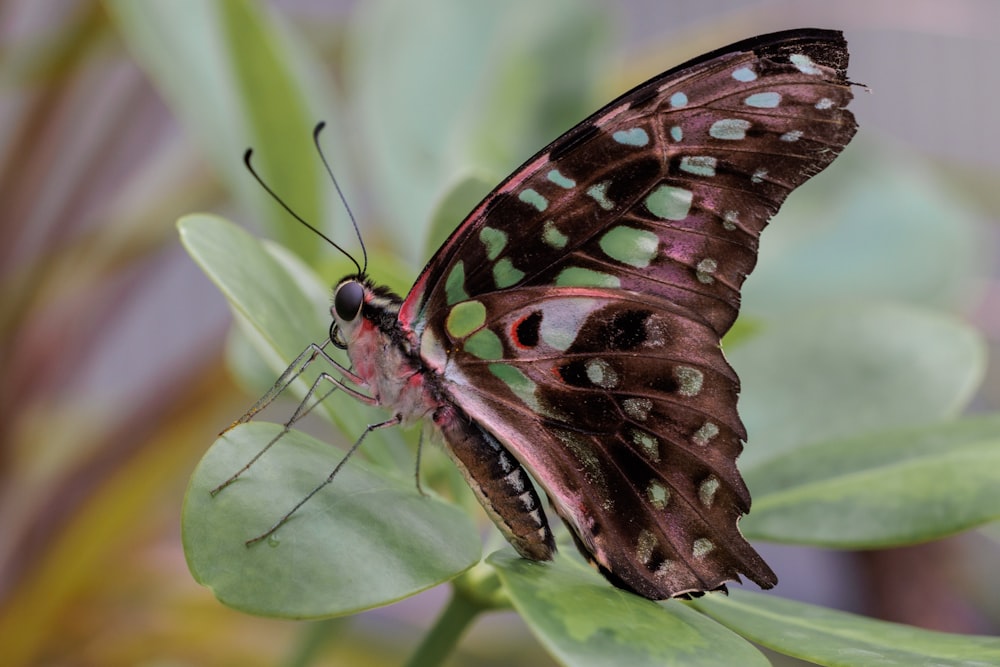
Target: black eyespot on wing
665 384
627 330
526 330
574 374
348 299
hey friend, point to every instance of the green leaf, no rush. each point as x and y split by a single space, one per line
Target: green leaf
850 369
257 285
838 639
582 620
883 489
365 540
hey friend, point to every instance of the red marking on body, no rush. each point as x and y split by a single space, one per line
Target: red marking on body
363 352
415 381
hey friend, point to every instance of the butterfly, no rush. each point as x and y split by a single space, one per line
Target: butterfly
568 331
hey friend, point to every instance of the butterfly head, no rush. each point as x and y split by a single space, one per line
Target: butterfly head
348 299
358 303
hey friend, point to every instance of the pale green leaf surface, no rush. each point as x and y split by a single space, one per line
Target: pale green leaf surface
363 541
838 639
257 285
882 489
850 369
584 621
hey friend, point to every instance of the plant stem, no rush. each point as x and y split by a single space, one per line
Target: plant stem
313 639
443 637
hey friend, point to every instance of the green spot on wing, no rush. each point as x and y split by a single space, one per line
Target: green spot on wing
599 194
763 100
556 177
506 274
628 245
729 129
494 239
648 443
532 197
804 63
701 547
658 495
465 318
699 165
707 490
583 451
704 434
633 137
484 344
690 379
454 285
705 269
669 202
519 383
575 276
553 237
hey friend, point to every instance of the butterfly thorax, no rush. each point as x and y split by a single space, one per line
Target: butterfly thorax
380 351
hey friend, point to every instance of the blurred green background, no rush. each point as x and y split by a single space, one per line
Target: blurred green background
117 118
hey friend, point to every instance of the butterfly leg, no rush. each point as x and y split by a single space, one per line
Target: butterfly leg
292 373
301 411
416 472
395 421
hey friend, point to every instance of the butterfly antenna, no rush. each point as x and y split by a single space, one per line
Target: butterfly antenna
275 197
319 149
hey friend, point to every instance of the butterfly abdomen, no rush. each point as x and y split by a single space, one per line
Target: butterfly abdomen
500 483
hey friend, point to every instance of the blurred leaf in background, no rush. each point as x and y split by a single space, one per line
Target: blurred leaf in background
119 118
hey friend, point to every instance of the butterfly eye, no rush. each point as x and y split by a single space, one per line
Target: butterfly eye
347 301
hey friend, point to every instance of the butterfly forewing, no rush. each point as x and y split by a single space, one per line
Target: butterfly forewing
576 313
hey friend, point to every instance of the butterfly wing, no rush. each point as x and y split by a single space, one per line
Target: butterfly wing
576 313
631 427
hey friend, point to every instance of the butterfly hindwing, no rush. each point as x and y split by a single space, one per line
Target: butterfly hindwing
625 420
576 314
